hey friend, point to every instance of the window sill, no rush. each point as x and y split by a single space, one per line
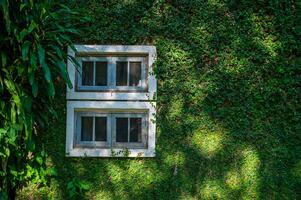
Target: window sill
125 96
108 89
108 152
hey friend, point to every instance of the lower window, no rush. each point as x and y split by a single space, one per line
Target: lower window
105 129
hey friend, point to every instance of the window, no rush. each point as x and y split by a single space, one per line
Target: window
111 108
111 129
94 73
112 73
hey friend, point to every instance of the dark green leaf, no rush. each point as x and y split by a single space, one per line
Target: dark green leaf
64 73
57 51
74 62
31 27
33 60
50 89
25 49
3 59
46 70
4 4
34 88
22 34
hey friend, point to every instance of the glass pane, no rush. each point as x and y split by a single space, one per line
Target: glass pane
87 75
121 73
101 73
100 129
121 129
135 129
87 129
135 73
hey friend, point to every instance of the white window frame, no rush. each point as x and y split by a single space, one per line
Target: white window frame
131 51
111 74
128 107
111 128
112 100
77 130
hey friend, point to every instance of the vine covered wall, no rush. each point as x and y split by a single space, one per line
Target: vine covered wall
229 110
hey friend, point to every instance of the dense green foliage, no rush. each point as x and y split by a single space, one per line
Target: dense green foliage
32 58
229 110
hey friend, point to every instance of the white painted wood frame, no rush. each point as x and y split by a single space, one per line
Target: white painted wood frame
121 106
113 50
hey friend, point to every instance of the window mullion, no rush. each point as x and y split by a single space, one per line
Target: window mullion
78 129
129 132
109 130
113 74
94 73
143 74
80 73
93 136
144 131
128 73
110 72
113 129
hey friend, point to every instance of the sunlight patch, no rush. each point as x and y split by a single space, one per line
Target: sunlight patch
176 107
133 177
250 174
177 158
233 180
187 196
213 190
209 143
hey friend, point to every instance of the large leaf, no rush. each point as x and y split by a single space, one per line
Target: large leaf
22 34
50 89
33 60
64 73
4 7
33 38
31 27
58 51
34 88
47 73
75 63
3 58
25 49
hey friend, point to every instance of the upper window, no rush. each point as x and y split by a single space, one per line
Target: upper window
112 73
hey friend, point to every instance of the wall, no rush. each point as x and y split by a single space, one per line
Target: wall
228 103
